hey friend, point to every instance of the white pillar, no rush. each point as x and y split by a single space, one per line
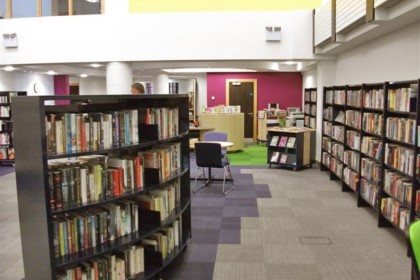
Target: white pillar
161 84
116 8
119 77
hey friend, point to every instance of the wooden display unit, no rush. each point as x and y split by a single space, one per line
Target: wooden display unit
289 147
232 124
51 202
263 123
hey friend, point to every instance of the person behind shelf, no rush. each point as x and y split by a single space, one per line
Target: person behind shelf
137 88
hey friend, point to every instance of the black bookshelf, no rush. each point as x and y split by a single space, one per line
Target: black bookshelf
386 176
309 107
7 153
33 158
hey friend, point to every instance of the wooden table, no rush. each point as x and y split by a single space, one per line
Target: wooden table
198 131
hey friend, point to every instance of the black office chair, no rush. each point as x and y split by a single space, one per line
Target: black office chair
217 136
209 155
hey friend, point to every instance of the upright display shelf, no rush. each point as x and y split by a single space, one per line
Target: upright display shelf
327 118
103 184
372 145
310 107
400 184
353 118
7 152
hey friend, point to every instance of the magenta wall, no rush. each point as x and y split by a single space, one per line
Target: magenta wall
61 87
284 88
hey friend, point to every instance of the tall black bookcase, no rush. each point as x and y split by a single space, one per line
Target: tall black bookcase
7 153
379 158
309 107
39 214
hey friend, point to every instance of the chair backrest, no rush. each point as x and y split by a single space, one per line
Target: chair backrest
215 136
208 154
414 237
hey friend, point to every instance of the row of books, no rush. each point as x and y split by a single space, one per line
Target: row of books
373 98
327 113
353 139
129 262
93 178
337 151
310 109
372 146
351 158
167 120
369 192
396 213
326 159
277 157
329 97
310 95
351 178
401 99
400 157
82 231
340 97
371 170
336 167
399 187
72 132
327 128
4 138
121 265
401 129
283 141
4 99
310 121
372 123
326 144
338 133
354 118
354 98
4 111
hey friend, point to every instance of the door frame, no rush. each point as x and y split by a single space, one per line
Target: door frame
254 109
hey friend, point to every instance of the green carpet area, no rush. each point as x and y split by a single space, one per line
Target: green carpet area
251 155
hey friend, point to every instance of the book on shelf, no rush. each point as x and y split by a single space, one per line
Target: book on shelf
275 156
283 158
283 141
274 140
291 142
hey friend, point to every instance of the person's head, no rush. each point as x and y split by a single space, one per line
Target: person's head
137 88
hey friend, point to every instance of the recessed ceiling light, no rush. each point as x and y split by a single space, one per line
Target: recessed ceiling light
95 65
9 68
289 62
51 72
83 75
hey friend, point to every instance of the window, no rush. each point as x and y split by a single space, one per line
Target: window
24 8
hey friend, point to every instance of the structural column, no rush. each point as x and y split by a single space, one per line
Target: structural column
161 84
119 77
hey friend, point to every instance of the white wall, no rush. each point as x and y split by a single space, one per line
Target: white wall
92 86
19 81
394 57
158 37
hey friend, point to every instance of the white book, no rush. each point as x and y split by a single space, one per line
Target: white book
83 184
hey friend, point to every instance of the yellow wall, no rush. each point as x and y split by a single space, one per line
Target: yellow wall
139 6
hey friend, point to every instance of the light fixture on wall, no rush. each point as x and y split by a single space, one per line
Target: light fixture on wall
272 33
10 40
9 68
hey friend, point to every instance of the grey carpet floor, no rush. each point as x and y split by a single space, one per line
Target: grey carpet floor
276 224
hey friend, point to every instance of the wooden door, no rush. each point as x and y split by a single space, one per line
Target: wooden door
243 93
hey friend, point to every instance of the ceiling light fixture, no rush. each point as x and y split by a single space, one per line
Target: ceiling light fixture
206 70
95 65
51 72
9 68
93 1
83 75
